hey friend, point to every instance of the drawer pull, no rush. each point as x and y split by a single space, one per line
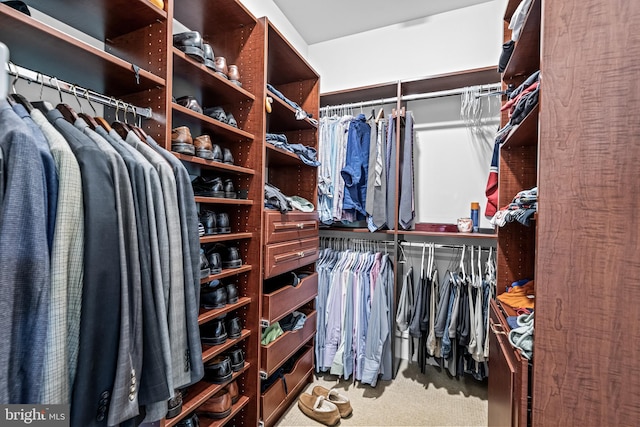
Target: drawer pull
301 225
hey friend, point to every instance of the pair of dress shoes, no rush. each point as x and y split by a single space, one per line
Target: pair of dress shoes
230 256
219 405
221 368
215 223
218 330
182 142
215 295
219 114
191 43
213 187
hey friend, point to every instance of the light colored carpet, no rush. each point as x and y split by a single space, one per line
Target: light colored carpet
412 399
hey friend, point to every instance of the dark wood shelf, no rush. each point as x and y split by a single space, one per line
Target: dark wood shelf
208 422
200 393
277 156
283 117
444 234
211 351
224 237
379 91
222 201
284 63
186 117
525 59
213 17
526 134
102 19
355 230
39 47
226 273
511 7
206 315
210 164
211 83
455 80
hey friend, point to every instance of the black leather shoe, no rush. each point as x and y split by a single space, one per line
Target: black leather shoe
205 271
213 295
213 333
232 258
234 327
227 156
232 293
190 42
190 421
216 113
189 102
208 57
231 121
209 220
174 405
229 190
218 371
208 187
215 262
217 153
237 359
223 223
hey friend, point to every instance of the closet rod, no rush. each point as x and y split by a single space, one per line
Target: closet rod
78 91
418 96
440 246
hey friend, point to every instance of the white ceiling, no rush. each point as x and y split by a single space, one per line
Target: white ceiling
319 21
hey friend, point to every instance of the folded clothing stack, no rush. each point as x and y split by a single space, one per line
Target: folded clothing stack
308 155
522 207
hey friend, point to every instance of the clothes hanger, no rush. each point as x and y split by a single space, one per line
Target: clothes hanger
380 112
15 97
100 121
121 128
135 127
41 104
67 112
87 118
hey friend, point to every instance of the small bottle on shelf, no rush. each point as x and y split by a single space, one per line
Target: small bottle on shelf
475 216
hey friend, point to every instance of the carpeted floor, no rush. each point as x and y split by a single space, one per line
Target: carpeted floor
412 399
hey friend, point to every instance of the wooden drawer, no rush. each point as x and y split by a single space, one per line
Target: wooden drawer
286 299
508 375
274 401
277 352
290 226
282 257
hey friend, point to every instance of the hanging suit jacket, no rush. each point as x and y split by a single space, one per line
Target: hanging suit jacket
100 318
61 349
24 263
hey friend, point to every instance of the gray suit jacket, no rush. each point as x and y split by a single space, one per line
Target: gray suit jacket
61 349
24 264
124 404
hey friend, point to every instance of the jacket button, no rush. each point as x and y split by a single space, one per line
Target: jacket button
132 396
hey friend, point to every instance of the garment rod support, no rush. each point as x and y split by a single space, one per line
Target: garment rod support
53 82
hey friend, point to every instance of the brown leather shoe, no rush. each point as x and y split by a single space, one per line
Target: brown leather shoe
221 66
234 74
189 102
203 147
218 406
181 141
232 389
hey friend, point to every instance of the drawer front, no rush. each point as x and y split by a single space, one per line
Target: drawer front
276 353
275 400
290 226
282 257
278 304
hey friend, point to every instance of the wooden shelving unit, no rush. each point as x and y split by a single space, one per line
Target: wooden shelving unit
227 272
206 315
225 237
526 54
209 352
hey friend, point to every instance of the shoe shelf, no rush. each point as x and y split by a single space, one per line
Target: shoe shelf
209 352
284 116
225 91
189 117
201 392
210 164
213 17
526 134
278 156
226 273
223 201
525 58
40 47
207 315
237 407
225 237
102 19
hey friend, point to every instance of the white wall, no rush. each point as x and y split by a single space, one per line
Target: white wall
452 41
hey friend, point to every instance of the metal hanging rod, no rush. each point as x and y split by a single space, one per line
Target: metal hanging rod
491 89
53 82
440 246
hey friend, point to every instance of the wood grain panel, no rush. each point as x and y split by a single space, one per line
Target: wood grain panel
587 343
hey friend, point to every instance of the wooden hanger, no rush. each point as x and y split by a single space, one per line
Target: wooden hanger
137 129
41 104
87 118
121 128
380 115
15 97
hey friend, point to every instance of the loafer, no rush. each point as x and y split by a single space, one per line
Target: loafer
217 406
222 220
221 66
229 190
174 405
215 262
205 271
213 333
234 326
231 121
181 141
209 56
213 296
319 409
340 400
203 147
190 42
218 370
189 102
191 421
232 293
209 221
232 389
208 187
216 113
232 258
217 153
237 359
227 157
234 75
